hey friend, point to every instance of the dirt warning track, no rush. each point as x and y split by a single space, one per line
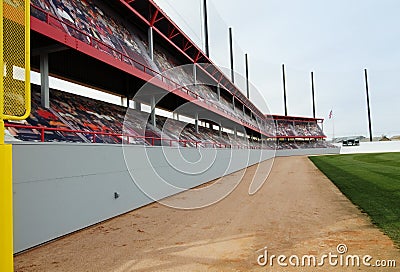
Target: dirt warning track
298 211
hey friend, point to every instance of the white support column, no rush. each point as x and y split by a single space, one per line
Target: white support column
220 130
151 43
125 102
153 111
44 80
196 123
219 92
235 130
233 102
195 74
137 105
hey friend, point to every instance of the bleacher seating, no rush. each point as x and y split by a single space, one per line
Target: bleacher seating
299 144
84 19
284 128
84 115
298 128
41 117
77 113
74 118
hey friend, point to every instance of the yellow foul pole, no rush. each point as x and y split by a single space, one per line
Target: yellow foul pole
6 214
14 105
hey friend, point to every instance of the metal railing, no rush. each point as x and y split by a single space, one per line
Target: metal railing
128 138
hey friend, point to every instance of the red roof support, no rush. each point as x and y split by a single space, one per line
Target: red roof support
154 18
198 56
220 78
187 46
173 34
214 72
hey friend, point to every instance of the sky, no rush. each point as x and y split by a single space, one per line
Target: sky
335 39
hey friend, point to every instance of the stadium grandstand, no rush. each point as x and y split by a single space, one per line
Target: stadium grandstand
95 29
132 50
298 132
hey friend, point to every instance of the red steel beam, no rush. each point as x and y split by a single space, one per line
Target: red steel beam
196 59
154 17
173 34
187 46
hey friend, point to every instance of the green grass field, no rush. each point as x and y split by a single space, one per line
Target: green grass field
370 181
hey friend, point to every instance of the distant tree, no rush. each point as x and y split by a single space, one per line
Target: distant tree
384 138
395 138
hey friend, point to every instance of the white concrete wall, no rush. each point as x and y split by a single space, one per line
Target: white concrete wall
60 188
305 152
371 147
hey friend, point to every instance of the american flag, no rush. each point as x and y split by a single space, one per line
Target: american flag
330 114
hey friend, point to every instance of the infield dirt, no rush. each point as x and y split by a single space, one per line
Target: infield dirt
298 211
